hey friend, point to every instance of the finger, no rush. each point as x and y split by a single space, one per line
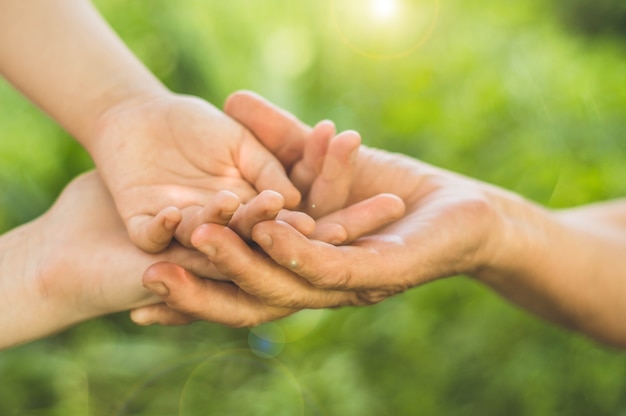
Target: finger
192 260
154 233
298 220
219 210
279 131
358 220
260 168
263 207
309 167
355 267
194 298
331 189
160 314
261 277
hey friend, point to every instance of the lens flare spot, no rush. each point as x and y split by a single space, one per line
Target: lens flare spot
384 29
384 9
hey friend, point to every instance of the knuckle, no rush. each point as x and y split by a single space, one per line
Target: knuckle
332 278
291 299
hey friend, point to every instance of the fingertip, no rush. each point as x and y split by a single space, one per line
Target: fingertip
160 314
154 233
396 207
324 129
143 316
238 98
301 221
171 216
272 201
349 139
292 197
331 233
202 234
161 273
227 201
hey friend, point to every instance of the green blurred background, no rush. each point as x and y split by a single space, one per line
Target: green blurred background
528 95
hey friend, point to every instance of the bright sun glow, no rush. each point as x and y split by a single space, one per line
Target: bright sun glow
384 9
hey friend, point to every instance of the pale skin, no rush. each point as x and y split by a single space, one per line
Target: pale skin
162 156
77 262
567 266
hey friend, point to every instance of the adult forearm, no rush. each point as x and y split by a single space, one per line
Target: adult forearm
64 57
568 266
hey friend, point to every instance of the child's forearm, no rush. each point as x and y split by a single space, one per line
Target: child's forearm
28 312
63 56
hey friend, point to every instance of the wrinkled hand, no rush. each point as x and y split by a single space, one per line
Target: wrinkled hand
447 229
163 158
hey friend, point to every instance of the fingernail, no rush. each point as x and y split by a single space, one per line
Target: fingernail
170 225
209 249
264 240
354 155
157 288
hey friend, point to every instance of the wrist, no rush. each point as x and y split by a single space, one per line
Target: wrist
517 234
114 104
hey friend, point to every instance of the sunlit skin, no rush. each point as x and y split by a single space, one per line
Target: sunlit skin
566 266
76 262
322 167
162 156
165 160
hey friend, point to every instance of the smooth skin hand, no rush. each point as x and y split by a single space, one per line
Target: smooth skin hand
162 156
76 262
166 158
567 266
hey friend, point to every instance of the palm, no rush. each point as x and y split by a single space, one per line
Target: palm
178 152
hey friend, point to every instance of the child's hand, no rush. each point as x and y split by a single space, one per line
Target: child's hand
164 159
76 262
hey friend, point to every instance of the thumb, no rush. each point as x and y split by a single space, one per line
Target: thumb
278 130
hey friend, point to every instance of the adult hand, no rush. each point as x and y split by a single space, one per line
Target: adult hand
566 266
444 232
449 227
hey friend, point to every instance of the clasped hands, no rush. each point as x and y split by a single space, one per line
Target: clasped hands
179 191
320 166
348 225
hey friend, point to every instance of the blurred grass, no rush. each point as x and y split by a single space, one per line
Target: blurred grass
520 94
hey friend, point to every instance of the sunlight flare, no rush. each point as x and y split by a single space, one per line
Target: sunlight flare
384 9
